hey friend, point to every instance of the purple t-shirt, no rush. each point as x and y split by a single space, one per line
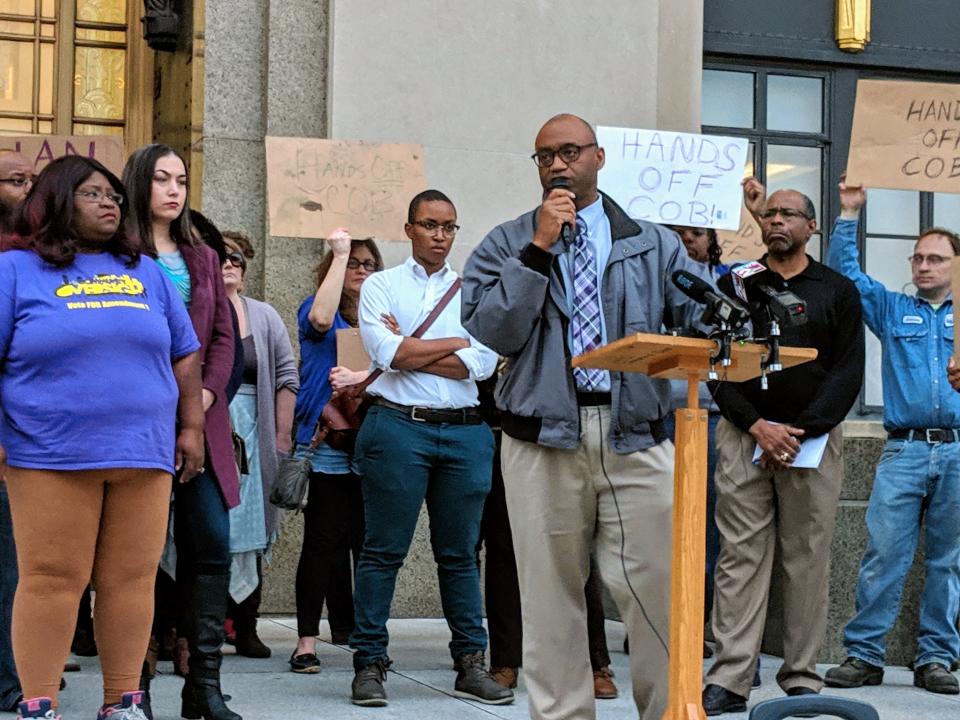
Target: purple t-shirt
86 380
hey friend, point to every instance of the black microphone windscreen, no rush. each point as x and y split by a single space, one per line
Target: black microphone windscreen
692 286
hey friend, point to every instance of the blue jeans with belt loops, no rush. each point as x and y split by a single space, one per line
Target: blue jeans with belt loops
915 481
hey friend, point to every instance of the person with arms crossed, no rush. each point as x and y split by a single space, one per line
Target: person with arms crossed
586 459
768 502
423 439
918 476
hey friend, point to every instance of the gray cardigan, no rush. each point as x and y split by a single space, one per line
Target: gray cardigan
276 369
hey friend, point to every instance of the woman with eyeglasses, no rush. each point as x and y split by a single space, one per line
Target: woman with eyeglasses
156 180
262 415
333 518
100 387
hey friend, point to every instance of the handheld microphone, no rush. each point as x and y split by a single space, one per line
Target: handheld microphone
566 232
720 309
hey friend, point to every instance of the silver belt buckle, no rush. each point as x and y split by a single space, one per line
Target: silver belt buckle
929 440
413 415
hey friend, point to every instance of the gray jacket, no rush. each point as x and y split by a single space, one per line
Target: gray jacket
513 302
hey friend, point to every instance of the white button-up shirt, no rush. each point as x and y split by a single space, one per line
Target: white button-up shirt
410 295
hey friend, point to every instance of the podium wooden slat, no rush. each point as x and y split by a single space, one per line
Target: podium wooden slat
675 358
680 358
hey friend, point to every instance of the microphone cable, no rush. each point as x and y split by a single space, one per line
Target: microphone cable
623 544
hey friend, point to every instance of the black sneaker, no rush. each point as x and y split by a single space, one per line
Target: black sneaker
307 663
718 700
853 673
475 683
936 678
757 682
367 688
798 692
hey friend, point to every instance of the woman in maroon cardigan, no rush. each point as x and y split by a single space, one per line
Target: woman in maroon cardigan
156 181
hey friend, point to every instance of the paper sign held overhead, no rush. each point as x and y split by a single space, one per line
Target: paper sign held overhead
744 243
41 150
315 186
674 178
906 136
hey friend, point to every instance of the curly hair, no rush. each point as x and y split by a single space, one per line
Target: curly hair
44 223
714 251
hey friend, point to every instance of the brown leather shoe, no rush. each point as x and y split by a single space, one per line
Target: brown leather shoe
603 686
181 657
505 676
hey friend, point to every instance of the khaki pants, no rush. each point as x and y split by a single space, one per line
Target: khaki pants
108 525
561 503
755 509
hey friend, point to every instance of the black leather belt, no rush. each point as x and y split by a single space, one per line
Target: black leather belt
590 399
450 416
929 435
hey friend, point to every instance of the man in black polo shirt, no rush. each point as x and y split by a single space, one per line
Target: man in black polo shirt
769 501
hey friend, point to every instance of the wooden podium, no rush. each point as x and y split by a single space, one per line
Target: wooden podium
681 358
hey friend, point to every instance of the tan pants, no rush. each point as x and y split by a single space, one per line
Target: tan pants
562 502
755 509
69 527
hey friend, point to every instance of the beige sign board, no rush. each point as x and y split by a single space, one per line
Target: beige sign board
906 136
350 351
745 243
315 186
43 149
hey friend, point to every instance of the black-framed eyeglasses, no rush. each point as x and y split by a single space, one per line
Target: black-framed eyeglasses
95 197
368 265
18 181
785 213
568 153
431 226
236 259
918 259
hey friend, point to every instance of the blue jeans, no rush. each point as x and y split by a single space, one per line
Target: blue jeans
402 462
9 680
201 528
915 480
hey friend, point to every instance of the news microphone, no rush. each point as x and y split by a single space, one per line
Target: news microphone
566 232
720 308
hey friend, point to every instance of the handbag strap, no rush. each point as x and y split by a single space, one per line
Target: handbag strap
418 333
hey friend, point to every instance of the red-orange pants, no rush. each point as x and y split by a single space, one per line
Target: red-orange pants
107 526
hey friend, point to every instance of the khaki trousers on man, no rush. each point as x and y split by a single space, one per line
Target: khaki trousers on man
755 509
561 503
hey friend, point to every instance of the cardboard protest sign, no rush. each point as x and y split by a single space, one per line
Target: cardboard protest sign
906 136
44 149
674 178
350 351
315 186
744 243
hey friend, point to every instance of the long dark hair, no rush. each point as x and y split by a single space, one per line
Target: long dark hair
138 179
44 222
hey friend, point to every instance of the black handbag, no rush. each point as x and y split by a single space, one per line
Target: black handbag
289 489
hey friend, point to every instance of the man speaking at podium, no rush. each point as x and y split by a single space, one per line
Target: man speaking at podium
769 501
585 456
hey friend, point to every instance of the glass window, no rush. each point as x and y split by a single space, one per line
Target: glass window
886 262
19 7
893 212
796 168
795 103
16 76
727 99
946 211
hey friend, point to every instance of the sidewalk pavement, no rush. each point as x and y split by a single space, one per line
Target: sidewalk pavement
421 684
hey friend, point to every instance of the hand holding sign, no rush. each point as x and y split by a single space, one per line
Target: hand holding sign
674 178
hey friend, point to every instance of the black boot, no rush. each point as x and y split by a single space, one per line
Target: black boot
208 607
145 686
245 616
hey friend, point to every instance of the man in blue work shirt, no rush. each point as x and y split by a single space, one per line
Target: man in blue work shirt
918 476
